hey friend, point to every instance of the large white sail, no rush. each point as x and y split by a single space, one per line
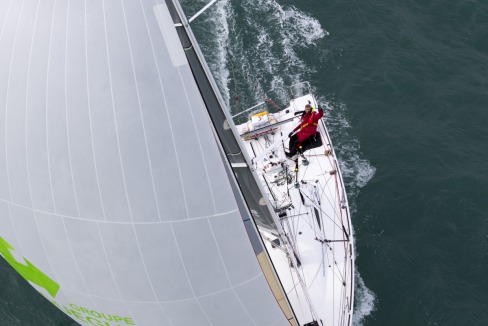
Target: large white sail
115 201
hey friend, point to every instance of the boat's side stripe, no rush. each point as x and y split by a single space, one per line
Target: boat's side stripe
276 288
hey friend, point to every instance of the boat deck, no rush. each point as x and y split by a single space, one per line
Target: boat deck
312 209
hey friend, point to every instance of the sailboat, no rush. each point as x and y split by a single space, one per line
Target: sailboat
129 195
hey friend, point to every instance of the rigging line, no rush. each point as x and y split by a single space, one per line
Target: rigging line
273 104
315 276
333 266
286 238
346 272
333 220
261 147
344 269
332 204
247 110
303 286
297 221
313 221
320 217
312 214
319 162
317 155
324 252
293 255
285 166
286 223
302 283
252 148
267 141
337 181
270 191
293 289
295 215
291 231
339 186
307 297
339 273
344 203
323 228
304 290
264 141
273 244
330 218
332 261
336 270
299 248
302 219
273 187
343 299
201 11
294 228
329 241
329 194
292 240
287 175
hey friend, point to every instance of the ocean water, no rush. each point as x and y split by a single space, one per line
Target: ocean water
406 88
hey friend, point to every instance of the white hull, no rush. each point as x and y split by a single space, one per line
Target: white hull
321 289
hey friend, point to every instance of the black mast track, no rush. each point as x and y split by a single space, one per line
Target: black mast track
215 108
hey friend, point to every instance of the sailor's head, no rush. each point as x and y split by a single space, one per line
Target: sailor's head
308 108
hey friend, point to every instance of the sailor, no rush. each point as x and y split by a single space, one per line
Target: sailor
307 128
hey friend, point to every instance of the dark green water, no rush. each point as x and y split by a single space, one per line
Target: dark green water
407 85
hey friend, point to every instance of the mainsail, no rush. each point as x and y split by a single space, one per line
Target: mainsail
115 200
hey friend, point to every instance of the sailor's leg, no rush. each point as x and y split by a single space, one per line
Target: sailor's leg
292 146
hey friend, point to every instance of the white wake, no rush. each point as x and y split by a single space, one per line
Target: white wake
258 45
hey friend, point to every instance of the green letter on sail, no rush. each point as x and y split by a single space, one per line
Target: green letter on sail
28 271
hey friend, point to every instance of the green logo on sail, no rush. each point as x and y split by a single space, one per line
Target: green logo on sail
32 274
28 271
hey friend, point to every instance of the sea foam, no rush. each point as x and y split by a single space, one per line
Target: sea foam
257 44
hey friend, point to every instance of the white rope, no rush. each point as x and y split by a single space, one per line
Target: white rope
201 11
238 114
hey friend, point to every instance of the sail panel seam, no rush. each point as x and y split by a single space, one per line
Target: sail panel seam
168 301
115 222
